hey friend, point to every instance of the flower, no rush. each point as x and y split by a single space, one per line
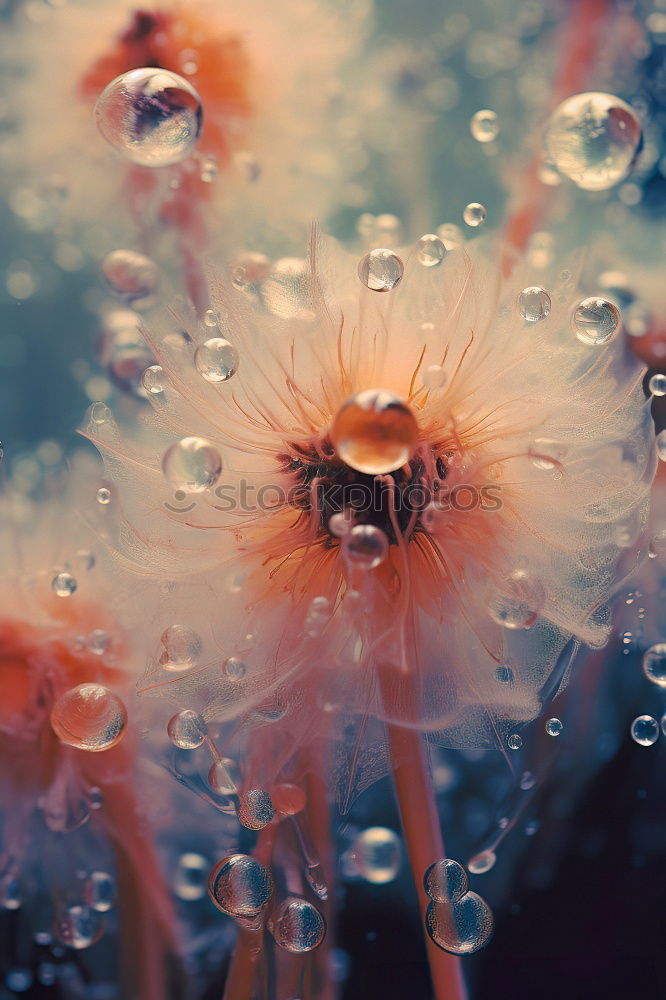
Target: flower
402 504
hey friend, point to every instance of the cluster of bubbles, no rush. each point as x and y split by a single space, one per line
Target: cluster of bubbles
457 920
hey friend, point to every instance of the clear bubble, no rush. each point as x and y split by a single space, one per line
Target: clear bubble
430 250
645 730
131 275
78 926
100 891
661 445
460 928
240 886
103 496
181 646
474 214
89 717
445 881
654 664
153 380
187 730
151 116
596 321
380 270
235 669
192 465
255 809
657 385
518 602
483 861
554 727
484 126
249 269
546 454
376 855
593 139
64 584
534 303
365 546
216 360
375 432
190 878
514 742
224 776
297 926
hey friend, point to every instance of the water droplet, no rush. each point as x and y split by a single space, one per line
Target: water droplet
78 926
514 742
654 664
657 385
255 809
376 855
661 445
151 116
483 861
554 727
153 380
216 360
240 886
596 321
131 275
381 270
484 126
430 250
592 139
365 547
461 928
518 602
534 303
297 926
375 432
235 669
445 881
187 730
645 730
100 891
190 878
64 584
224 776
191 464
89 717
181 646
103 496
474 214
547 454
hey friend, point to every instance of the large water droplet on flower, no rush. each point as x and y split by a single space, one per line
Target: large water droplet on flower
654 664
298 926
380 270
375 432
191 464
89 717
461 928
593 139
534 303
445 881
596 321
152 116
365 546
187 730
216 360
430 250
376 855
131 275
181 646
240 886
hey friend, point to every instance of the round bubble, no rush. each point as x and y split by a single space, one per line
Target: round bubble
645 730
654 664
181 647
255 809
130 274
187 730
381 270
89 717
445 881
593 139
78 926
240 886
475 214
483 861
64 584
460 928
190 878
375 432
657 384
484 125
192 465
298 926
430 250
216 360
554 727
534 303
100 891
596 321
153 117
518 601
365 546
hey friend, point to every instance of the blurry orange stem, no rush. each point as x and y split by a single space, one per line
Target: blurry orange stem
423 837
582 33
